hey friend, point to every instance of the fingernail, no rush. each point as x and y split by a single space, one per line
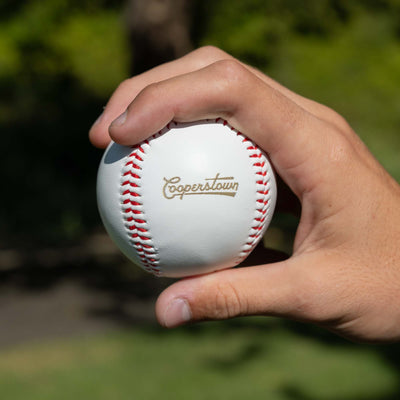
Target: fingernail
120 120
177 313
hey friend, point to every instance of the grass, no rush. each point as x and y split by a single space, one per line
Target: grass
352 72
256 359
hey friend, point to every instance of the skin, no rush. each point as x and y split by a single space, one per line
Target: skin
344 273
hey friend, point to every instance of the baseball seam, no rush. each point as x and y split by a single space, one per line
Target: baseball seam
262 201
133 213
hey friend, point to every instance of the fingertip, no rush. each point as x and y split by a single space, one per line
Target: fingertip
173 306
118 130
98 134
132 127
118 136
98 140
177 312
120 120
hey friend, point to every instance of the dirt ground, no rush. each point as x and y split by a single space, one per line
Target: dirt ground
50 293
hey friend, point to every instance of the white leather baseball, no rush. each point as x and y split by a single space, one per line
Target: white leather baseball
194 198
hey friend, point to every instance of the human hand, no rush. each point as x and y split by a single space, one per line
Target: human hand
344 273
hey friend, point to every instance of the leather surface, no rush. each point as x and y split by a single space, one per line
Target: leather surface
188 196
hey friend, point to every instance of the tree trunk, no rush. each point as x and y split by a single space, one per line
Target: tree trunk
159 31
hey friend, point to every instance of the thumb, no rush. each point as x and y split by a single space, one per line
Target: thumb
261 290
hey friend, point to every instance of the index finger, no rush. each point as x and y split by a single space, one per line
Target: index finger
291 135
198 59
130 88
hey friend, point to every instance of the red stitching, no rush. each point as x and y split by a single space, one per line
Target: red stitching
131 174
261 211
130 184
262 202
133 165
134 203
140 238
137 157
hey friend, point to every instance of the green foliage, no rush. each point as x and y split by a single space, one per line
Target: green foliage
244 29
61 59
49 39
94 50
9 56
59 62
343 54
356 72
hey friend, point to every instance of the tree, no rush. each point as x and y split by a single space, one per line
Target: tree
159 31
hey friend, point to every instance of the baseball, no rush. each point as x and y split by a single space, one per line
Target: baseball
192 199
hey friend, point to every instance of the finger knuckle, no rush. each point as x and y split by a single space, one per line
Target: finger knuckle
229 69
336 119
151 92
228 302
124 85
211 53
229 77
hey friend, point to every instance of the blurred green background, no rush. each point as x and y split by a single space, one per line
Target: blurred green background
76 320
